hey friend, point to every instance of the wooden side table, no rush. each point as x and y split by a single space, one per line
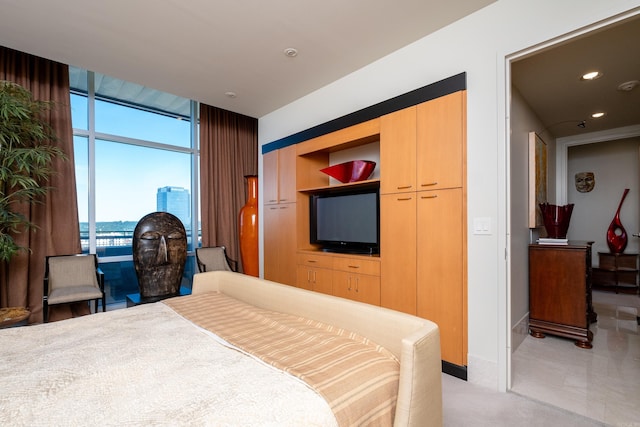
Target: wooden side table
616 272
560 291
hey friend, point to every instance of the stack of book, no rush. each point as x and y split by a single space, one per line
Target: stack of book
549 241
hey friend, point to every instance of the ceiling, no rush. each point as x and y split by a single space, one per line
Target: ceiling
550 81
202 49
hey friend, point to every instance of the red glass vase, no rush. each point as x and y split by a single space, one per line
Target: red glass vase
616 234
556 219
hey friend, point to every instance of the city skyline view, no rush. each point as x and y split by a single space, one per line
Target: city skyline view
128 176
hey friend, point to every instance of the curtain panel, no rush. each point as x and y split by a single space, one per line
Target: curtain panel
21 281
228 153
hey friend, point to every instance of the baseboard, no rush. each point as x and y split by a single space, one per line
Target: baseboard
454 370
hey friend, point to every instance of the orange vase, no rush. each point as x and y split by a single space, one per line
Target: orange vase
249 229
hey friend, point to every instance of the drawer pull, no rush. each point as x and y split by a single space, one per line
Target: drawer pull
430 184
403 187
353 266
429 197
403 199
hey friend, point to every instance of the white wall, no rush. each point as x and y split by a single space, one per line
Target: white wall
523 121
477 44
615 165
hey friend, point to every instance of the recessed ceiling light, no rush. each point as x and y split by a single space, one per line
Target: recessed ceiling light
598 114
592 75
230 94
291 52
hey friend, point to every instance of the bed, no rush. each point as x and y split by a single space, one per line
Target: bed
238 351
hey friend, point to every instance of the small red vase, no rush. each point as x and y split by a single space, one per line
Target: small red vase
556 219
616 234
248 222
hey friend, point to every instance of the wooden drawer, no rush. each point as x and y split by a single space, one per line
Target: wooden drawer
357 265
313 260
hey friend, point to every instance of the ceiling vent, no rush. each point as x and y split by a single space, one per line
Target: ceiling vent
628 86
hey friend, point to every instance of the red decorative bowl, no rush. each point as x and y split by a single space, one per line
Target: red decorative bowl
355 170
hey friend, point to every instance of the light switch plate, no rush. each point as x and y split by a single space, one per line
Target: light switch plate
482 225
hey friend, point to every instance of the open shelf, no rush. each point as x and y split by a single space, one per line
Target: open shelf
369 183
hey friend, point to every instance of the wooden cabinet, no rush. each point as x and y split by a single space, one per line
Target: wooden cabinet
423 147
315 273
441 272
422 266
353 277
441 154
280 243
398 213
616 272
398 151
423 217
279 172
279 195
560 291
358 287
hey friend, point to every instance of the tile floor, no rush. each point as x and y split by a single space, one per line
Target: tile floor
602 383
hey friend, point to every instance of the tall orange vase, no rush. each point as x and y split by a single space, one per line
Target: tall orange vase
249 229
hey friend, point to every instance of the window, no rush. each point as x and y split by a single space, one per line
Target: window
135 152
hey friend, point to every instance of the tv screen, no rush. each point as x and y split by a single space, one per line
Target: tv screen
346 221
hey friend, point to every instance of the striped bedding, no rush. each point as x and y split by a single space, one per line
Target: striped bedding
358 378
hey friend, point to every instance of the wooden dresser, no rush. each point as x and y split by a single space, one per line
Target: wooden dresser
560 291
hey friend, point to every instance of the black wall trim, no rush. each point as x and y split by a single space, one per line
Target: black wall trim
455 370
426 93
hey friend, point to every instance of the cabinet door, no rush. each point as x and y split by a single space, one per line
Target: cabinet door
398 252
287 174
315 279
440 146
357 287
558 291
280 243
270 177
304 278
440 295
398 151
322 280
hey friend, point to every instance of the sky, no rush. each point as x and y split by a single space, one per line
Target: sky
128 176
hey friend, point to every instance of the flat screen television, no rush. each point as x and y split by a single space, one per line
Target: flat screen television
346 221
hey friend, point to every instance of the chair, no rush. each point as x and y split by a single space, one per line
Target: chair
214 258
72 278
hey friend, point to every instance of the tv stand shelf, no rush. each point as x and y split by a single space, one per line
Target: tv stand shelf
369 183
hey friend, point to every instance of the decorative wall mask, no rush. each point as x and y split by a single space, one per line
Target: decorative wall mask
585 181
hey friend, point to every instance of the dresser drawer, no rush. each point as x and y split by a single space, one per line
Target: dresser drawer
313 260
357 265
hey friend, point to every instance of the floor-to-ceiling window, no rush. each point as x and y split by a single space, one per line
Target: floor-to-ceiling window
135 152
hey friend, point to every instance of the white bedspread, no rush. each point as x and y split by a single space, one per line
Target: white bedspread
143 366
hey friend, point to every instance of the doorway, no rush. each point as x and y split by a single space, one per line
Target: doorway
559 123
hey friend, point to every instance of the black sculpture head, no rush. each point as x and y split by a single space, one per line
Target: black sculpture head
159 254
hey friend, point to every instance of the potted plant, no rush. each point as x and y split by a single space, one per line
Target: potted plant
26 153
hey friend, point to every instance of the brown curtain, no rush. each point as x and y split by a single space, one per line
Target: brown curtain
228 153
21 281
